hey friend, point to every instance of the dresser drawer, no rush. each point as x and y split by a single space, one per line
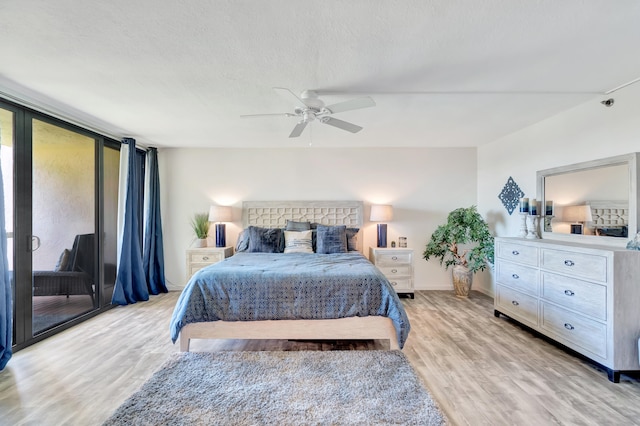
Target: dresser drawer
383 259
582 265
401 284
395 271
520 277
587 298
588 334
206 257
518 253
523 307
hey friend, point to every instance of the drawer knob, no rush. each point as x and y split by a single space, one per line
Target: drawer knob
515 252
515 303
394 283
569 262
568 326
569 292
515 276
393 271
205 257
394 258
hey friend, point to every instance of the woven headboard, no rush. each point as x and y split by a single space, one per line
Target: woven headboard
274 214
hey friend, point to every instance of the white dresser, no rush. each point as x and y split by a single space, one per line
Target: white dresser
397 265
198 258
585 297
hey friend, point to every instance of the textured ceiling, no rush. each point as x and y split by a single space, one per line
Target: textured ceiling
447 73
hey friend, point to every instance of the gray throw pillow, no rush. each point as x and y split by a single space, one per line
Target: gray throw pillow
243 241
352 239
265 240
63 261
331 239
297 226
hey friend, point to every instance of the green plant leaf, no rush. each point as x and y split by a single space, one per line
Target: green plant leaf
464 226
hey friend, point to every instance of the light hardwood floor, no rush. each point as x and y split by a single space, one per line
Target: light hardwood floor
481 370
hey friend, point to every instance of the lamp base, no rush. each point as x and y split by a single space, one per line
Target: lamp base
382 235
221 237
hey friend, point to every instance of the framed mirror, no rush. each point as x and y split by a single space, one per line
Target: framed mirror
595 201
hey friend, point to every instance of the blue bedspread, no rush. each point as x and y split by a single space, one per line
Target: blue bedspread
266 286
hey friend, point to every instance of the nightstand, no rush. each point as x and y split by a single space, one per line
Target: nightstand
198 258
397 265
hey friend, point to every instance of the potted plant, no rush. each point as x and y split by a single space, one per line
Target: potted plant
464 226
200 225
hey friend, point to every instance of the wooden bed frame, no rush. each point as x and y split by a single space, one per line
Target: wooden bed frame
272 214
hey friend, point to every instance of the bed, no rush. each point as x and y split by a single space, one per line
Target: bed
295 295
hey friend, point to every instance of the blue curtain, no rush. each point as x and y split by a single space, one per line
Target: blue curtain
6 313
153 259
131 284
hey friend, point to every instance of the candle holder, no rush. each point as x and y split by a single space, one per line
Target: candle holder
547 223
523 225
532 227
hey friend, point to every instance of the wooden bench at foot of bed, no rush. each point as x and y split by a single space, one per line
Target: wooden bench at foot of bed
353 328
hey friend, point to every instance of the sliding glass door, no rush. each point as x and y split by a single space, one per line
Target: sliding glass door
61 196
63 242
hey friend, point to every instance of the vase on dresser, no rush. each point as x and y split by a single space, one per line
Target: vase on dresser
462 280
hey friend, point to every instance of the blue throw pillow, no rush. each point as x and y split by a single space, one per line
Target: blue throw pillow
331 239
265 240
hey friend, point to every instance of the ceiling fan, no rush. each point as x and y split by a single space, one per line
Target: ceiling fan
308 108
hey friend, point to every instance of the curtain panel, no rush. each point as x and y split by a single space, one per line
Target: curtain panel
6 312
153 257
131 284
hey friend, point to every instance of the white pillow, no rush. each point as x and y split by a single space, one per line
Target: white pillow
297 242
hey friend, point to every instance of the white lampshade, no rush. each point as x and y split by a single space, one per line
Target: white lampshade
577 214
381 213
220 214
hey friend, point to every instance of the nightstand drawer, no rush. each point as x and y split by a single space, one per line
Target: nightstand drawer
577 264
383 259
522 306
395 271
195 267
588 334
401 284
519 253
206 257
588 298
519 277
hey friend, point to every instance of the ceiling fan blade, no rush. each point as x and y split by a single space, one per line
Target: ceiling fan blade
364 102
297 131
289 96
277 114
349 127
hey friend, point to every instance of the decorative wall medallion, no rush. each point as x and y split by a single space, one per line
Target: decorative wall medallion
510 195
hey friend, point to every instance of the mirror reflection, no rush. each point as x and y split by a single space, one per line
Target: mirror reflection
590 202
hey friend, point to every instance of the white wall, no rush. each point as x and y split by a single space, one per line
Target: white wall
423 185
587 132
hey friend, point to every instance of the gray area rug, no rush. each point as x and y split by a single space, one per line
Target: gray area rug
283 388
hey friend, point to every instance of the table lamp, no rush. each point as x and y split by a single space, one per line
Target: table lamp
381 213
220 214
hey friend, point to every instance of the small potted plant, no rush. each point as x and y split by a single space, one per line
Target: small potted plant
464 226
200 225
